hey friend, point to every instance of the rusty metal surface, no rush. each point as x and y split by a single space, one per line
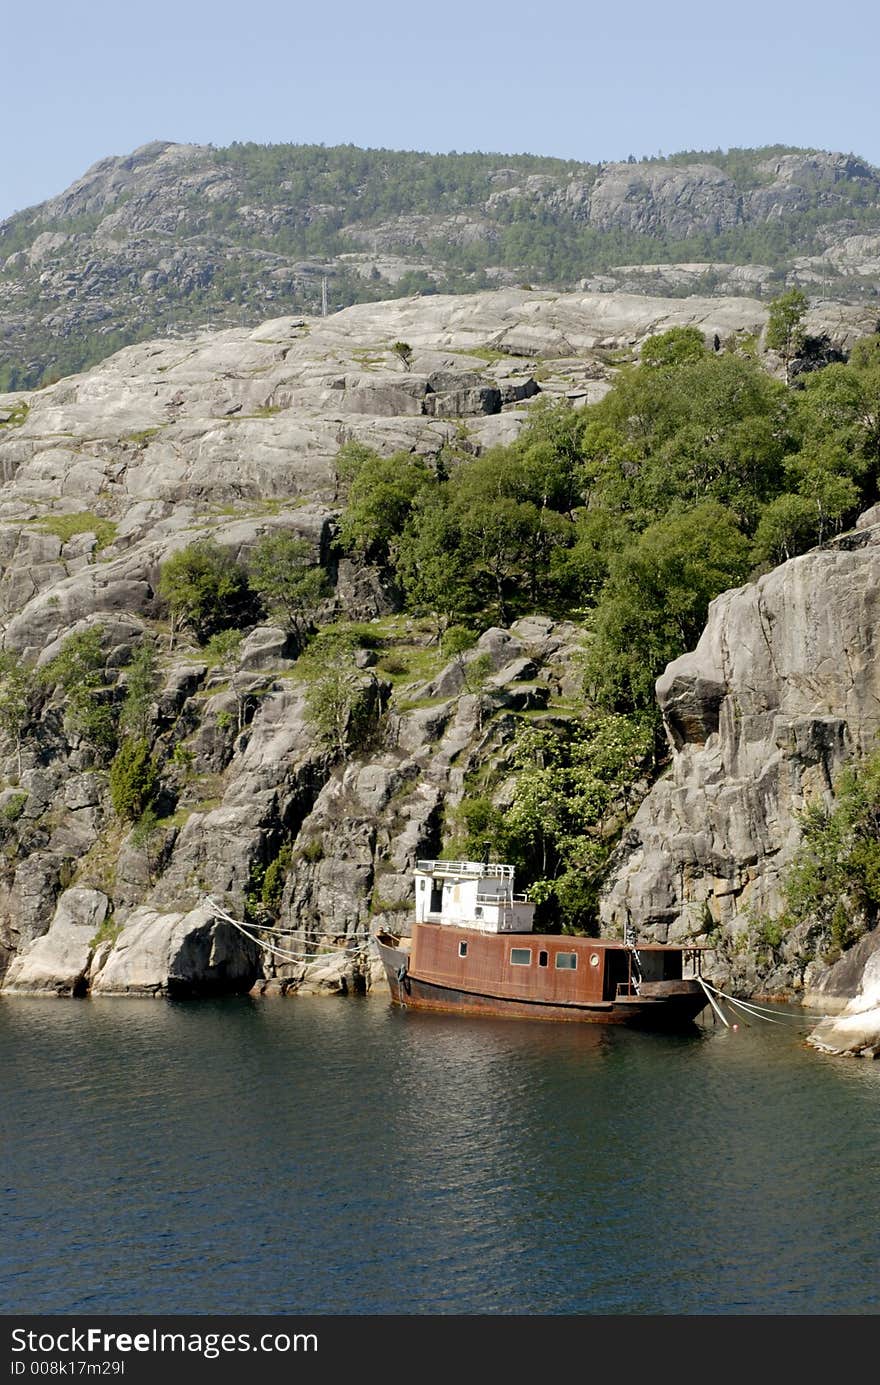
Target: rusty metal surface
435 977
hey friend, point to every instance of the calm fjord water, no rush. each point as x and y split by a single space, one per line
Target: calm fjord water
330 1156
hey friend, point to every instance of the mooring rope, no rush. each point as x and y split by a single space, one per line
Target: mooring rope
760 1012
331 949
715 1006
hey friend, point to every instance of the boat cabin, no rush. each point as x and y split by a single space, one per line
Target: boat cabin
471 894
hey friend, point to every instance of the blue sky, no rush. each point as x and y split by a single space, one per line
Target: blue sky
83 80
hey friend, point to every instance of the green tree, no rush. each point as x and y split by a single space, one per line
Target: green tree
380 499
574 791
833 883
404 353
141 683
786 528
283 573
206 590
432 567
654 604
18 694
79 670
785 329
343 704
678 346
134 779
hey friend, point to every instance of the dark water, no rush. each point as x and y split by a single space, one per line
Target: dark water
333 1156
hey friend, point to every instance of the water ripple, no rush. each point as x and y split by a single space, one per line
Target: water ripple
344 1157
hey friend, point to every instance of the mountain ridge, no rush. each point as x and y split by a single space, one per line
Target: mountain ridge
175 237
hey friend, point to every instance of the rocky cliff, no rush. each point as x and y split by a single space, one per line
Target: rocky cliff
782 689
173 236
235 435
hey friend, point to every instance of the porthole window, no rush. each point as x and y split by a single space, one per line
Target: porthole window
542 959
566 961
462 949
520 956
594 959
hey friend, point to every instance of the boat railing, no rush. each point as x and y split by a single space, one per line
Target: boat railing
474 869
508 898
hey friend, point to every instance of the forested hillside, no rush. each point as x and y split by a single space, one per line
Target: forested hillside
176 237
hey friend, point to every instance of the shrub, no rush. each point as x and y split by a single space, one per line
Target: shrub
206 590
276 874
133 779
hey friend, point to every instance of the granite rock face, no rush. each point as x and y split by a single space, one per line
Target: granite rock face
855 1029
58 963
177 954
782 688
235 435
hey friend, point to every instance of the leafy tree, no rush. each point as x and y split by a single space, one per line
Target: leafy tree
573 794
785 330
134 779
833 883
500 538
141 682
283 573
432 566
343 705
19 687
380 499
678 346
786 528
404 353
206 590
79 670
654 604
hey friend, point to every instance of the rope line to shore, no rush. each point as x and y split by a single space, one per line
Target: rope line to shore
760 1012
331 950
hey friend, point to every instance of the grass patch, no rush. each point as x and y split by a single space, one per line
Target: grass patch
66 527
368 360
108 932
419 704
141 438
179 818
14 807
17 415
490 354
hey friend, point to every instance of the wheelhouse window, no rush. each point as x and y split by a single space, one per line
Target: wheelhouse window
462 949
566 961
520 956
542 959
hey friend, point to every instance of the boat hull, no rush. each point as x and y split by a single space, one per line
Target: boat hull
661 1005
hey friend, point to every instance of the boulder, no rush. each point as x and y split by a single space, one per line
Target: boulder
58 962
855 1031
178 954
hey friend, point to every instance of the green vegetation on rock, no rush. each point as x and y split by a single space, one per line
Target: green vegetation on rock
206 590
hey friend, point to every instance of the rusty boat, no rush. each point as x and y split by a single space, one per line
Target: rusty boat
472 951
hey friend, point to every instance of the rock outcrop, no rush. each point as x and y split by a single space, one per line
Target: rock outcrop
235 436
782 688
854 1030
